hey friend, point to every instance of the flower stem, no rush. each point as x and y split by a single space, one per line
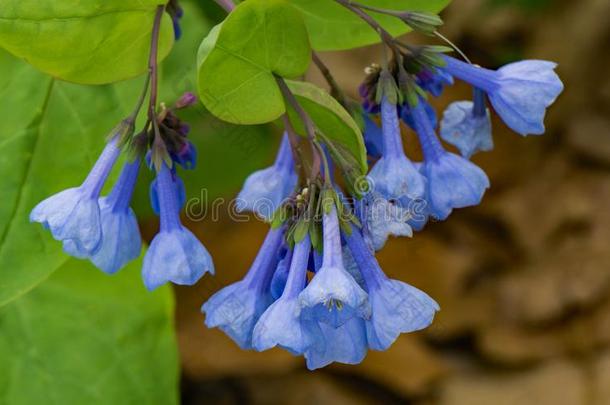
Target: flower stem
335 90
228 5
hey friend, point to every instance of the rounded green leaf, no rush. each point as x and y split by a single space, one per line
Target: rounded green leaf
83 337
238 60
333 27
332 121
89 42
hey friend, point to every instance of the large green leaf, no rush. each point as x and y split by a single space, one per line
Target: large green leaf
238 60
93 41
50 134
332 121
83 337
333 27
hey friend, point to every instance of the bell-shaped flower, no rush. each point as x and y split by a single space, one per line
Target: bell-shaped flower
121 240
175 254
467 125
74 214
394 177
281 324
453 182
333 296
236 308
345 344
265 190
383 218
520 92
396 307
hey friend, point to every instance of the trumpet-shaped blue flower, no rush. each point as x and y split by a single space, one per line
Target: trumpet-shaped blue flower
344 344
179 190
394 177
333 296
121 241
467 125
396 306
265 190
453 182
520 92
74 215
281 324
175 254
236 308
407 118
383 218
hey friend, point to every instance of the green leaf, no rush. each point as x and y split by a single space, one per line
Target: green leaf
332 121
92 42
51 132
333 27
238 61
83 337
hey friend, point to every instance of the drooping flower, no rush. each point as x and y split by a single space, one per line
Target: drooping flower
396 307
265 190
179 189
407 118
453 182
520 92
345 344
175 254
74 214
382 218
280 276
121 241
394 177
236 308
333 296
467 125
281 324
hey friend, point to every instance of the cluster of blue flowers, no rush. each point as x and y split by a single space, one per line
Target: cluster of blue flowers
333 303
105 230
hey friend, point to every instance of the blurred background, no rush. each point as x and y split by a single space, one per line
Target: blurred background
522 280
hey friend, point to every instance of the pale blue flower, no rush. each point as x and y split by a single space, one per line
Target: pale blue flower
394 177
333 296
265 190
520 92
383 218
121 241
175 254
467 125
396 306
453 182
74 215
281 324
236 308
345 344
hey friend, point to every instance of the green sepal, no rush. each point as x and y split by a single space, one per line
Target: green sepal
422 21
301 229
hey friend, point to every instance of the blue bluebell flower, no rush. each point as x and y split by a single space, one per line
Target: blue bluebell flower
333 296
74 214
373 138
453 182
394 177
467 125
396 307
281 324
175 254
345 344
383 218
520 92
434 82
236 308
121 240
265 190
